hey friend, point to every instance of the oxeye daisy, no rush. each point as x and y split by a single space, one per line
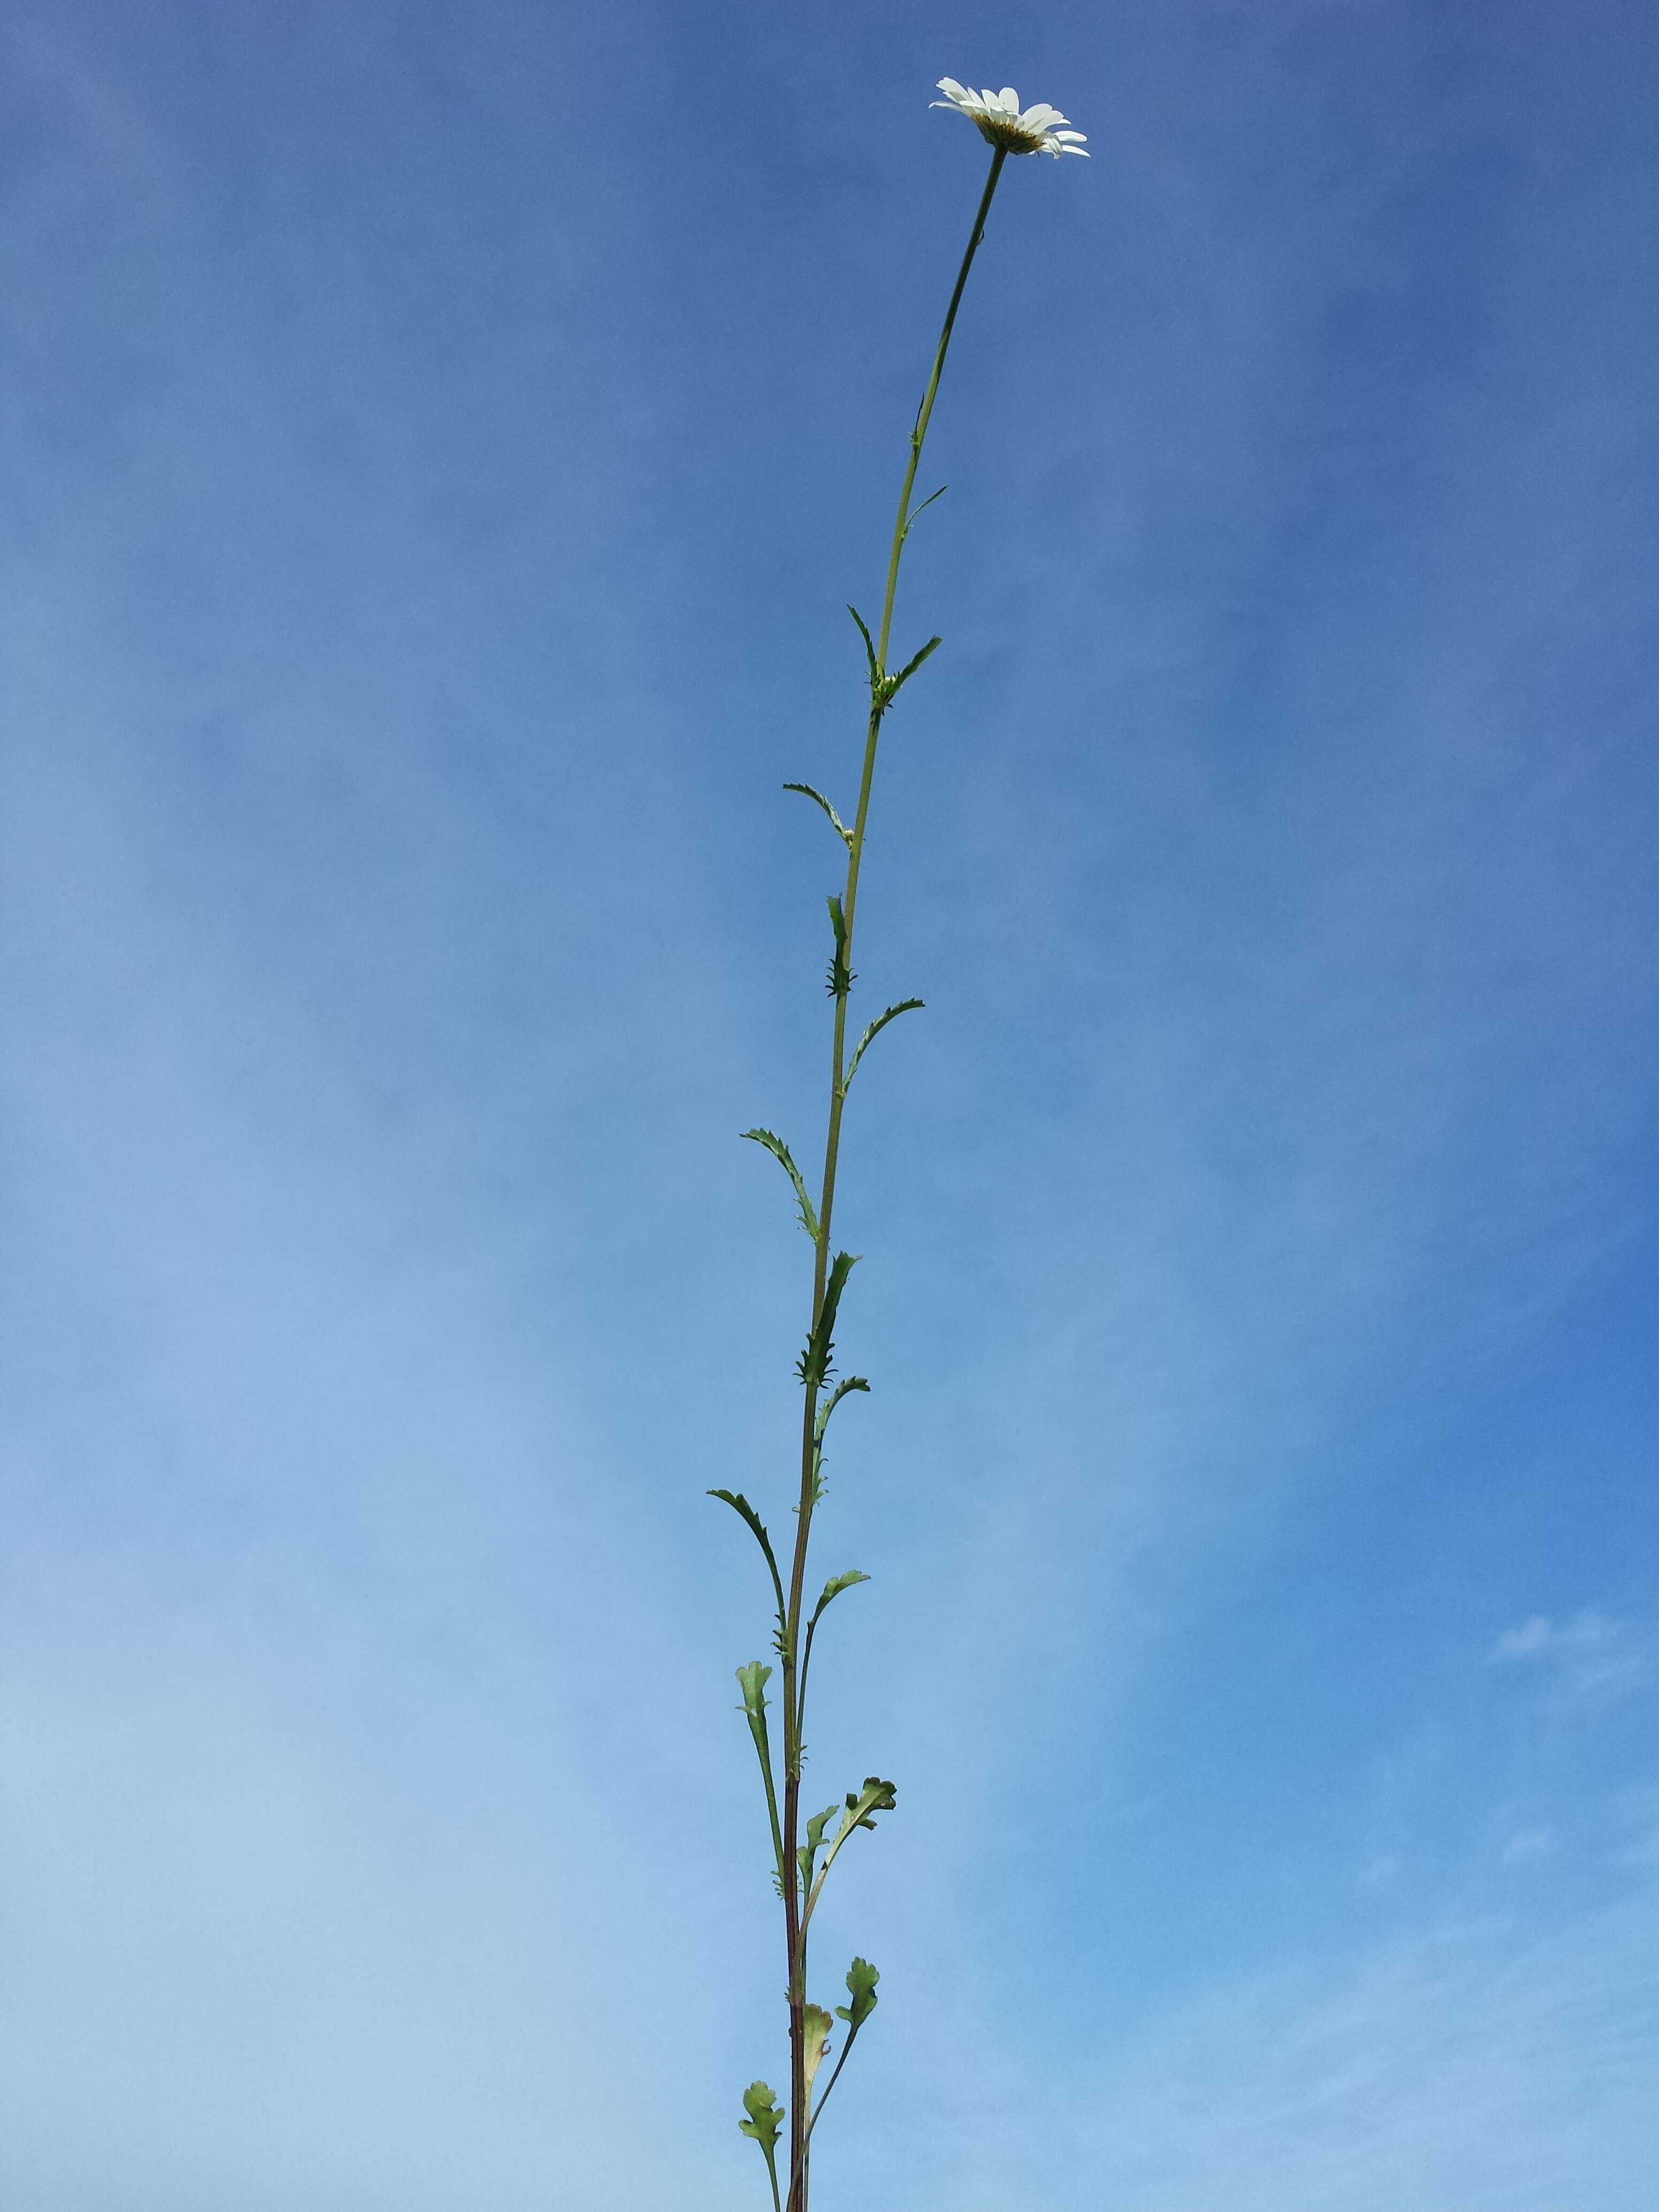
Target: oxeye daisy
1000 120
802 1846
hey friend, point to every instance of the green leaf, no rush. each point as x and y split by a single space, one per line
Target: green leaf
893 685
807 1853
847 1383
876 1796
813 1364
779 1152
765 2120
884 688
752 1680
765 2125
816 1825
842 828
741 1506
842 978
833 1590
818 2024
904 1007
927 502
862 1980
870 652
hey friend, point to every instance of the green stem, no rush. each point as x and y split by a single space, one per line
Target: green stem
823 2097
793 1701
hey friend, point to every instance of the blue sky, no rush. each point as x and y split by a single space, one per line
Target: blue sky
440 443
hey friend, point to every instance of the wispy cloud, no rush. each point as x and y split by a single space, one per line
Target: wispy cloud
1590 1656
1453 2069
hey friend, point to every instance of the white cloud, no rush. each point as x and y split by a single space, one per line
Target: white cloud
1533 1636
1587 1656
1589 1632
1451 2069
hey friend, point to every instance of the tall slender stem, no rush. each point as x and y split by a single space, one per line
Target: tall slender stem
794 1704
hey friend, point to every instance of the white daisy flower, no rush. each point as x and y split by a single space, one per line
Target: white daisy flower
999 119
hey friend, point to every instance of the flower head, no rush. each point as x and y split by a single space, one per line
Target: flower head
999 119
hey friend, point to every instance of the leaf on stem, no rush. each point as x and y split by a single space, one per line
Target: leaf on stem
752 1680
779 1152
833 1590
844 832
891 686
746 1512
818 2024
765 2125
807 1854
876 1796
813 1364
904 1007
847 1383
884 688
861 1805
928 501
741 1506
870 655
840 977
765 2119
862 1980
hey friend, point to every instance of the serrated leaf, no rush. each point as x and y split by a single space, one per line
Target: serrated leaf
807 1854
765 2118
779 1152
833 1590
841 827
816 1825
746 1512
764 2125
876 1796
847 1383
869 651
841 978
752 1680
817 2025
862 1980
813 1364
893 685
904 1007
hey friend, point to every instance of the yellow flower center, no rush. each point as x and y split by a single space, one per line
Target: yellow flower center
1003 130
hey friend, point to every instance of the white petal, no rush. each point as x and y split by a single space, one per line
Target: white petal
951 90
1010 100
1063 135
1040 115
1077 150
